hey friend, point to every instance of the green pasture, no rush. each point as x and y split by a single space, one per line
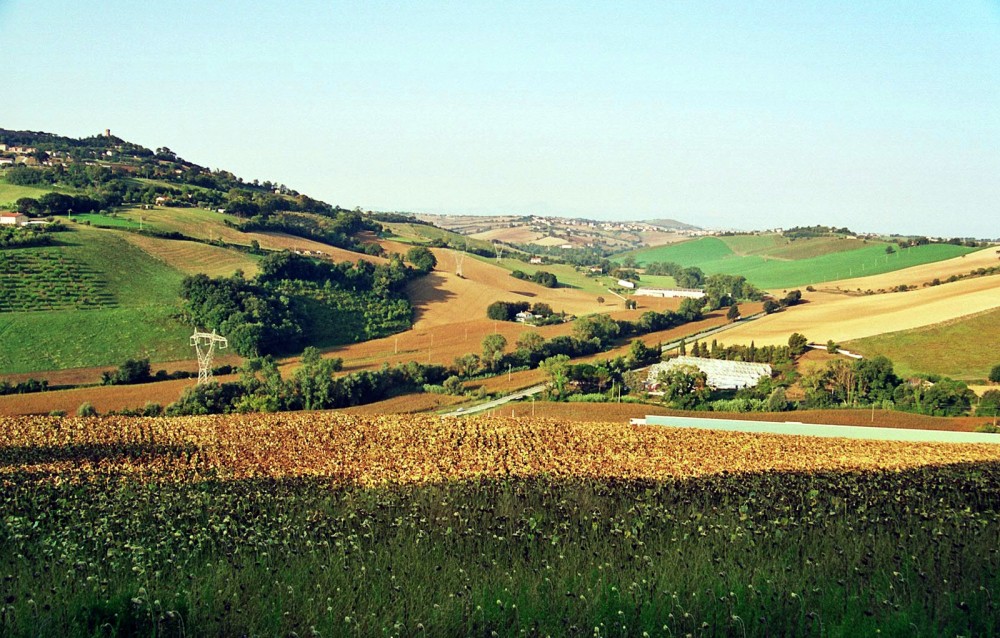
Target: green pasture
714 256
965 348
106 221
10 193
193 222
141 323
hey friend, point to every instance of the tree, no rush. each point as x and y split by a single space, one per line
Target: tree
793 297
989 404
600 327
542 309
453 385
889 250
832 347
467 365
771 306
86 409
130 372
684 387
639 354
876 380
600 300
493 350
797 344
557 369
421 258
995 374
733 313
313 384
530 342
777 402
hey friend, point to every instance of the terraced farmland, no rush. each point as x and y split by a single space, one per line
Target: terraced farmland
45 279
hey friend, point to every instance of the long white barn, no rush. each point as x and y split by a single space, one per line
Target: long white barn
692 293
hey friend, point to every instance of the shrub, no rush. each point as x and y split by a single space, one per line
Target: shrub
86 409
995 374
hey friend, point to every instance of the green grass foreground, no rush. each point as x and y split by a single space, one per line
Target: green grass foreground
909 553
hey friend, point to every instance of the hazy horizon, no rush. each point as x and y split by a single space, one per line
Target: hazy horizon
882 118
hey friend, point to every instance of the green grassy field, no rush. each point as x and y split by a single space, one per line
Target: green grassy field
106 221
141 324
193 222
9 193
966 348
713 255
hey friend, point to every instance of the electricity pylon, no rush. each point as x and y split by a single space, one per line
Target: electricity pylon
204 344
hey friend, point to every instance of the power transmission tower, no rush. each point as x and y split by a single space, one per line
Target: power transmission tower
498 247
204 344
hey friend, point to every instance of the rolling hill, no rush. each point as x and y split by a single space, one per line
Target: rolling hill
775 262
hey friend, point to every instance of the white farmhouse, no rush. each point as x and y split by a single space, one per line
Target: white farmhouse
13 219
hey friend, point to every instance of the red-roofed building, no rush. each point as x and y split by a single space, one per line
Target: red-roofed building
13 219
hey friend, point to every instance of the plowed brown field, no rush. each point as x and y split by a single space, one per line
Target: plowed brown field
103 398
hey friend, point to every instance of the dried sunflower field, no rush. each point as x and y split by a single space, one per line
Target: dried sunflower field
336 525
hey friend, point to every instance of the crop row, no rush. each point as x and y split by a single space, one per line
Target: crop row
49 281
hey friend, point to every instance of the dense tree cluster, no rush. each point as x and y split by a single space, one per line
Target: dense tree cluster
690 277
25 236
294 298
540 277
312 386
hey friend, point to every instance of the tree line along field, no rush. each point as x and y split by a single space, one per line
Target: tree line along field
140 323
798 263
965 348
407 526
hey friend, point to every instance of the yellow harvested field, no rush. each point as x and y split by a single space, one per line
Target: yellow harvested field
193 258
919 275
519 235
842 318
444 298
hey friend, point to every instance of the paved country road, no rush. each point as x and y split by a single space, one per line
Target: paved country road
535 389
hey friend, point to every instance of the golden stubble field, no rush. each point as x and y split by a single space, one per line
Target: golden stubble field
378 450
840 317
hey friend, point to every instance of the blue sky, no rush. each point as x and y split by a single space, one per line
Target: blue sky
881 116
